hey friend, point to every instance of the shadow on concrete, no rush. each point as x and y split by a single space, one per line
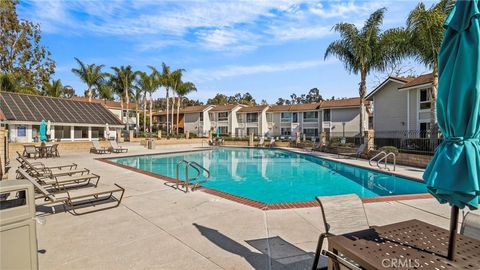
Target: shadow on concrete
275 253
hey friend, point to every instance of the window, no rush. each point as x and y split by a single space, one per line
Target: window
223 116
425 130
326 115
310 132
295 117
286 117
240 117
269 117
425 99
285 131
201 116
310 116
252 117
98 132
223 130
21 132
62 132
80 132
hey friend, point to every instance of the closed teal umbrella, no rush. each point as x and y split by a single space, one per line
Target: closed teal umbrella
43 131
218 132
453 174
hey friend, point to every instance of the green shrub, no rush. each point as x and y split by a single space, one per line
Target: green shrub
389 149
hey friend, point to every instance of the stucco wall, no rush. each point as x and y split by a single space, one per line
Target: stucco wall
349 116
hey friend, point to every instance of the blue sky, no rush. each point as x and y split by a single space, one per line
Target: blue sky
267 48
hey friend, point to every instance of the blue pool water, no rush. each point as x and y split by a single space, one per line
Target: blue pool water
277 176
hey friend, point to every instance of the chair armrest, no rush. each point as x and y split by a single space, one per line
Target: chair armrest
337 259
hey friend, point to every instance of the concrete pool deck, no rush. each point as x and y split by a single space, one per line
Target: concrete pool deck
158 227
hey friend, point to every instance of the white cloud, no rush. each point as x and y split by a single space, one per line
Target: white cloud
200 75
228 26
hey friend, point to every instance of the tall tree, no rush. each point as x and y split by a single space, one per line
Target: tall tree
21 53
426 29
147 84
122 79
92 75
183 89
364 50
157 80
56 89
166 79
176 82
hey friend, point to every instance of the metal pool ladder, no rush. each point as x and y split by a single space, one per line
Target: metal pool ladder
197 167
384 158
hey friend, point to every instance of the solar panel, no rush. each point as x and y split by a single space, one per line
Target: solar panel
23 107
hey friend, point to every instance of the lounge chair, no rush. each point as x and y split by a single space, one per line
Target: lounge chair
75 199
471 226
261 143
97 149
64 182
30 150
116 149
24 163
359 152
272 143
341 214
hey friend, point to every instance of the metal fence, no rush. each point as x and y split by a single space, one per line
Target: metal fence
411 141
343 138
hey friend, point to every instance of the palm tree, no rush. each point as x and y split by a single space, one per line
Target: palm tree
146 83
122 80
157 81
426 33
55 89
91 75
182 90
364 50
166 82
176 81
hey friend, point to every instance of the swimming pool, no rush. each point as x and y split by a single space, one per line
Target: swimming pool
277 176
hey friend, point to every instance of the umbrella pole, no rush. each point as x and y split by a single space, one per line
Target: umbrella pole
452 241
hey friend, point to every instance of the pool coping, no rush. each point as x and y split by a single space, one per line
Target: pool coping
257 204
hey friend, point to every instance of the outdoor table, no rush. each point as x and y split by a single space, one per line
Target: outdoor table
410 244
43 150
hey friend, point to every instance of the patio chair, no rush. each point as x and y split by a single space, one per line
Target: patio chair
471 226
30 150
64 182
272 143
97 149
75 199
341 214
53 151
115 148
261 143
359 151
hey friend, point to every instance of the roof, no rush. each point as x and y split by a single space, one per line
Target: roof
195 109
295 107
224 108
401 80
346 102
420 80
258 108
107 103
32 108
